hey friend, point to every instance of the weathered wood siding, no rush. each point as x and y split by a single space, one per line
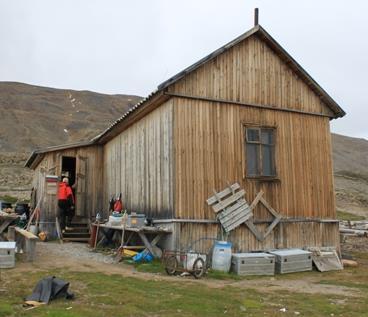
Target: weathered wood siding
138 163
285 235
51 164
250 72
209 152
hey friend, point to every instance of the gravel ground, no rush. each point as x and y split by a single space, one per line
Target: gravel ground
75 250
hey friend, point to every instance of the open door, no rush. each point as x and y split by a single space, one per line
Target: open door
81 188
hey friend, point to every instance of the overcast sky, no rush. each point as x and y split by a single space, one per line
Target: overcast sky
130 47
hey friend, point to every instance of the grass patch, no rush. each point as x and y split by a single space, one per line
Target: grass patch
155 266
9 199
100 294
343 215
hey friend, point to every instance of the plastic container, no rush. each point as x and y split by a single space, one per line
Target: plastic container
221 257
115 221
192 257
136 220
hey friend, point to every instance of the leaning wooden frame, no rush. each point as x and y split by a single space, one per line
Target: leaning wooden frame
232 210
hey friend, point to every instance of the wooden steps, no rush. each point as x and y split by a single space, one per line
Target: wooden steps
77 232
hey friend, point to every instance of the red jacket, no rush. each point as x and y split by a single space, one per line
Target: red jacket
65 192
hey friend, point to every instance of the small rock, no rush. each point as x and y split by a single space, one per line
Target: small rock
296 313
242 308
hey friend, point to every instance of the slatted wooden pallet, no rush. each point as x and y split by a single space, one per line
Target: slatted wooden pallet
231 207
232 210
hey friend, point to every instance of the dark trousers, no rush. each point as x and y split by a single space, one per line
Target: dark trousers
66 213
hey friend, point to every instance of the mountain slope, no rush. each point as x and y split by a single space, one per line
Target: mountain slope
33 116
350 156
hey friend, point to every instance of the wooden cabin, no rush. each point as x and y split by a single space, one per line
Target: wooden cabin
246 113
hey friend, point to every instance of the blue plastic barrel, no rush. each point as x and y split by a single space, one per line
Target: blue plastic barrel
221 257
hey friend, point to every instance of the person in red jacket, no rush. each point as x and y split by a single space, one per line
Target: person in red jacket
65 203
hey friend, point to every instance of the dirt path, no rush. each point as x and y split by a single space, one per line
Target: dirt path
78 257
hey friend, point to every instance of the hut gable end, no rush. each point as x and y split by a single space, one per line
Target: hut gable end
251 72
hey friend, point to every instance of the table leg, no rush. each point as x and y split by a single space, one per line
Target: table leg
147 243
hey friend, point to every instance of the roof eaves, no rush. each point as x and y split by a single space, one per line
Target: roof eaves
325 97
98 137
53 148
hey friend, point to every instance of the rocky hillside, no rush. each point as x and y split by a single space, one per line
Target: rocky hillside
34 116
350 157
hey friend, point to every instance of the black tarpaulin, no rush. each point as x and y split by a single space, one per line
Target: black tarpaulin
48 289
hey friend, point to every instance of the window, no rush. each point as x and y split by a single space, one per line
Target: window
260 152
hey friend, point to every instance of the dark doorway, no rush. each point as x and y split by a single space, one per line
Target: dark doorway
68 168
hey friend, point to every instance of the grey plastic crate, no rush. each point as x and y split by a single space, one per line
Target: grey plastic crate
292 260
7 255
253 264
136 220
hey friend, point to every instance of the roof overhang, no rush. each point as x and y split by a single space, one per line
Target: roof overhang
36 156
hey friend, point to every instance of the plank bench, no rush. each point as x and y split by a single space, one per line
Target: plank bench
20 236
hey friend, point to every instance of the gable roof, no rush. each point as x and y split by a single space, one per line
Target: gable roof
279 50
159 96
272 43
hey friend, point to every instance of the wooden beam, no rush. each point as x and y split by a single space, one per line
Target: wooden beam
254 105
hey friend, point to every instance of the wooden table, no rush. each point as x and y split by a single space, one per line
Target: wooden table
6 220
142 232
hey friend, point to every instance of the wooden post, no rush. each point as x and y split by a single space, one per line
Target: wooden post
256 16
11 233
31 249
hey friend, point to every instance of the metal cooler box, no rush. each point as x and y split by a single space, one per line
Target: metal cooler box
7 255
253 264
292 260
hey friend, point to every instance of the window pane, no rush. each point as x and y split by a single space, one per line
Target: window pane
252 159
268 166
267 136
253 135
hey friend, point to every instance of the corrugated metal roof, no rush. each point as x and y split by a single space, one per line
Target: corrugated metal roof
124 116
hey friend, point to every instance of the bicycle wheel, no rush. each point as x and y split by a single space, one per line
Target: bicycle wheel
171 264
198 268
